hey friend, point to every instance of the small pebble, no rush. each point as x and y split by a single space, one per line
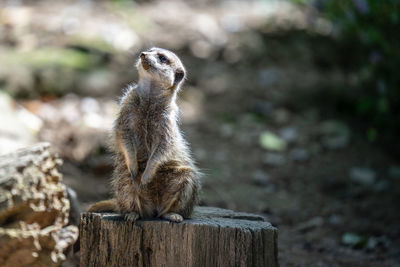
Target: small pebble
299 154
363 176
274 159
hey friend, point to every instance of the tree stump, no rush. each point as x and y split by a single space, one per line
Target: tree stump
213 237
34 209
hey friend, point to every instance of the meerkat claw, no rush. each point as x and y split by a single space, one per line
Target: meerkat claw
132 216
173 217
145 178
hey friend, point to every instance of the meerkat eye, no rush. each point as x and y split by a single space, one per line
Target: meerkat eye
163 59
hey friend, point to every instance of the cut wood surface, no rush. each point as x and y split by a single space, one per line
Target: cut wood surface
34 209
213 237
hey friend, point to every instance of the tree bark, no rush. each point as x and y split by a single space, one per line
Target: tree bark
34 209
213 237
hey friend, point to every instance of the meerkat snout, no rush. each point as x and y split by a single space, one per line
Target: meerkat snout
144 61
162 66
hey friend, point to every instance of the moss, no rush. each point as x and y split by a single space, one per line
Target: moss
48 57
93 43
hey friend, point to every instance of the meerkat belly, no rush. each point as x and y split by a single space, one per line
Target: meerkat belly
150 132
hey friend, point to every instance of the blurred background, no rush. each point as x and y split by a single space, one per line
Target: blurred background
291 108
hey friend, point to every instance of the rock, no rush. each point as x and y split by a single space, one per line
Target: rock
363 176
289 133
34 209
299 154
263 108
335 134
336 142
272 142
310 224
267 77
354 240
274 159
260 177
281 116
374 242
18 126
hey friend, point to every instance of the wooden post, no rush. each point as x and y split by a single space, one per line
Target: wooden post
213 237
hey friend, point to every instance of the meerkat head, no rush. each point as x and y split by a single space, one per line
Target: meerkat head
162 66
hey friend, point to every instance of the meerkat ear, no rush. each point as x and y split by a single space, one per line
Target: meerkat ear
179 75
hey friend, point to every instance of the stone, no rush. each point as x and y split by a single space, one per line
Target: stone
362 175
354 240
269 76
274 159
19 127
310 224
272 142
34 209
281 116
335 134
260 177
299 154
289 133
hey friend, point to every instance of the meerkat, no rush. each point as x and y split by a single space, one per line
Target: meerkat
154 173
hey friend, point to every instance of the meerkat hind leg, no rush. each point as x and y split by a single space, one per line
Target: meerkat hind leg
173 217
131 216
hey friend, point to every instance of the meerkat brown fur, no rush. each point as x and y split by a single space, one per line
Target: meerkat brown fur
154 173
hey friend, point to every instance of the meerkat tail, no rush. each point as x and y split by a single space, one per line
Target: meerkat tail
104 206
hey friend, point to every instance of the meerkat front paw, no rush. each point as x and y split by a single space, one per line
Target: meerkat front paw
146 177
132 216
173 217
133 171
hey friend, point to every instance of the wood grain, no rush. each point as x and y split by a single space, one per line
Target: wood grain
213 237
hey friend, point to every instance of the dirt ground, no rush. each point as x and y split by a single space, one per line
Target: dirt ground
262 109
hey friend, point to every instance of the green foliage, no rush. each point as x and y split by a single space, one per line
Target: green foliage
49 57
370 31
